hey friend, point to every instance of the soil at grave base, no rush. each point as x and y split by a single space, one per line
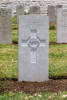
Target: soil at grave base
33 87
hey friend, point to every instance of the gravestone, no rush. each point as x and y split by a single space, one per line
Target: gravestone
19 11
5 25
52 13
34 10
33 47
61 25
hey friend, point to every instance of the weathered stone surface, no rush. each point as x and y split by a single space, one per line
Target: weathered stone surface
61 36
43 3
34 10
33 48
19 11
52 13
5 26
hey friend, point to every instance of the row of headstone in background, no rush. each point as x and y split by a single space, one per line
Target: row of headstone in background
20 10
59 15
5 25
36 10
5 17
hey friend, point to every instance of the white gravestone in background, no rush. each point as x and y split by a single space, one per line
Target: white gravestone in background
61 25
19 11
5 25
33 48
52 13
34 10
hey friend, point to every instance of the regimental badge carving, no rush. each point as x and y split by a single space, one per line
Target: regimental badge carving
33 42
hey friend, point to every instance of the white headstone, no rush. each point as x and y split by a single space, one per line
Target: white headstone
52 13
33 48
61 25
19 11
5 25
34 10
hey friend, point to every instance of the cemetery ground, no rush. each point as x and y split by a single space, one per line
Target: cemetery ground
54 89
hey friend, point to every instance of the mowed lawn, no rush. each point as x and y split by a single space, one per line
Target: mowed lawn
9 66
9 61
36 96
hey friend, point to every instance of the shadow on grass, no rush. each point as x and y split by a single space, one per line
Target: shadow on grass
2 90
53 78
54 43
50 43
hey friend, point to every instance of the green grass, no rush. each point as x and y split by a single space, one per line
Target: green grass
14 20
15 36
52 36
37 96
57 60
8 61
